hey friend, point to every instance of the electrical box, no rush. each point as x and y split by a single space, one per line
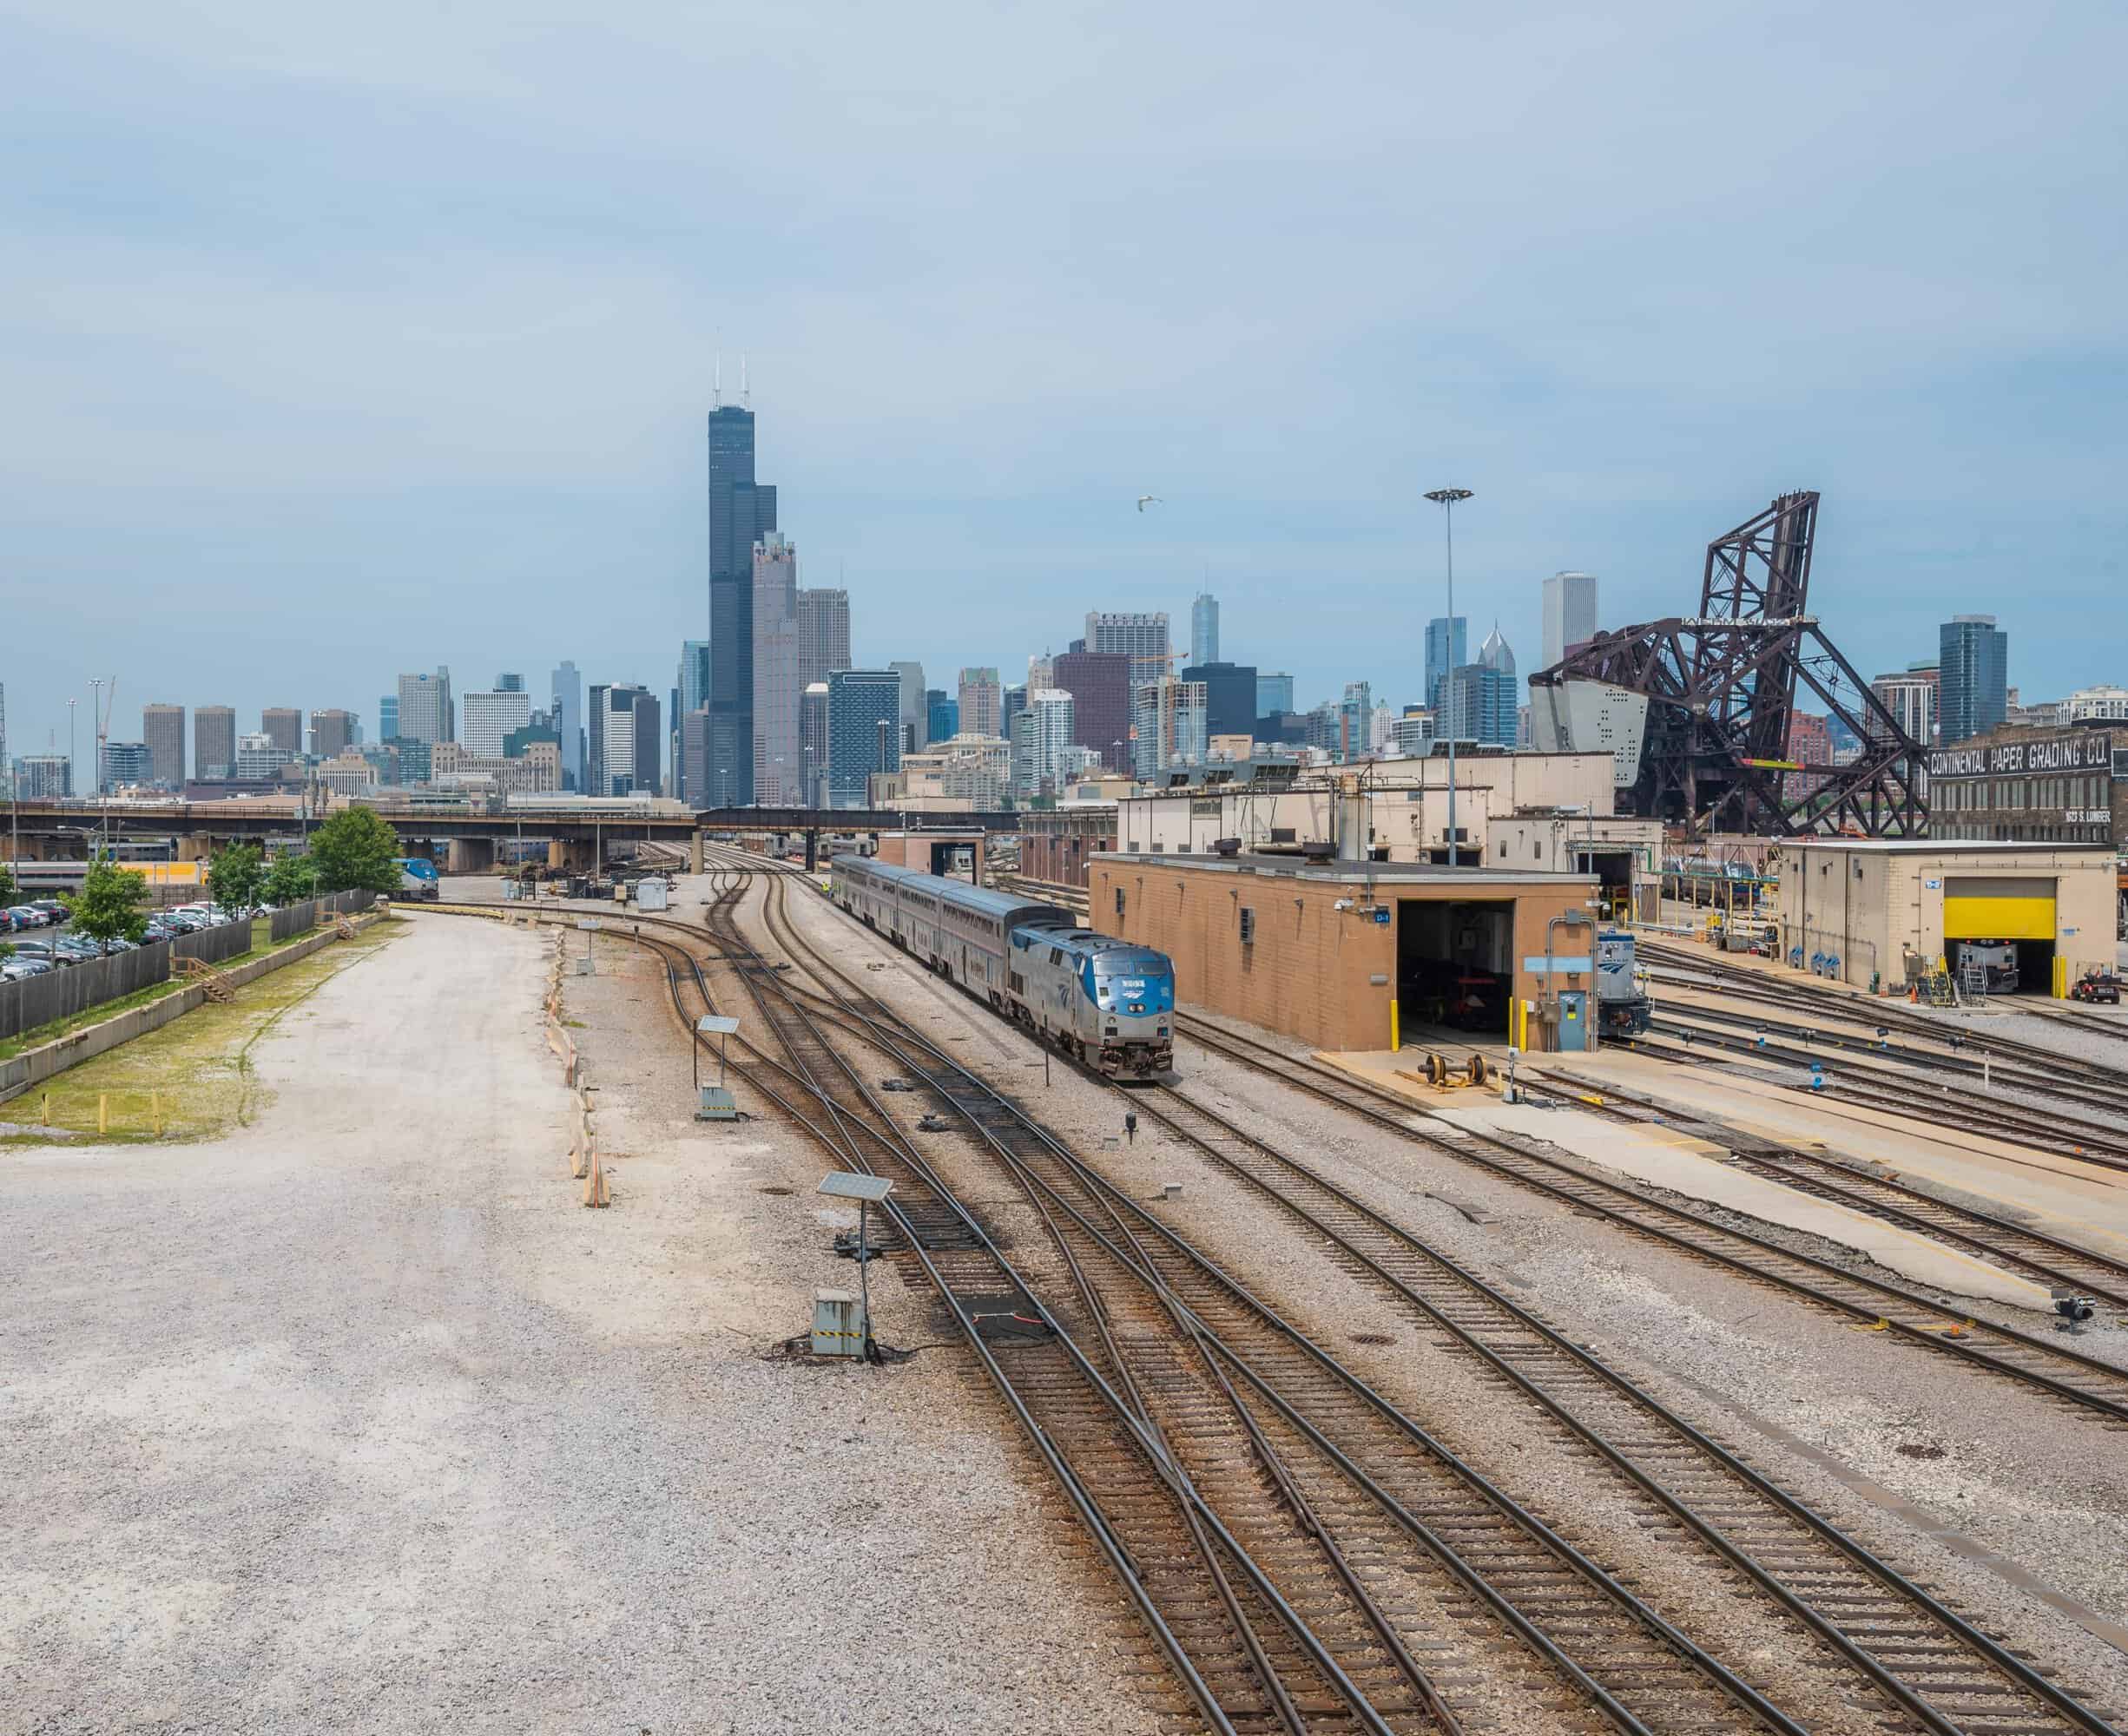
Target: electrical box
838 1324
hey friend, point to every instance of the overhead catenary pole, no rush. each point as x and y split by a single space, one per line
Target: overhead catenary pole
1448 497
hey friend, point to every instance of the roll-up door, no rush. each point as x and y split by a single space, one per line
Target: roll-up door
2006 909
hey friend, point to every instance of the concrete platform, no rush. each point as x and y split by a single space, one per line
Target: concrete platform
1686 1165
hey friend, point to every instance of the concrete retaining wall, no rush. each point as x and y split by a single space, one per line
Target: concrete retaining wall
34 1066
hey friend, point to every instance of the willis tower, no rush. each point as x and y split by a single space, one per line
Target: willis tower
742 512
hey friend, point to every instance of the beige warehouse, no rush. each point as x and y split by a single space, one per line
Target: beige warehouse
1876 903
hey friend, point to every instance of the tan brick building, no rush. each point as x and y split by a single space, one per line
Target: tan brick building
1341 954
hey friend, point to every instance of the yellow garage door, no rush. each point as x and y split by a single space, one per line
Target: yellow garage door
2007 909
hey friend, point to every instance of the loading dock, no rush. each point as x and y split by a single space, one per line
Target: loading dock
1881 913
1343 955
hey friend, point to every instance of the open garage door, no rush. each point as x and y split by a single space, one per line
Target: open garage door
2011 921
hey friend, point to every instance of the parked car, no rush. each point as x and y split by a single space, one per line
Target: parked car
46 950
28 916
17 970
10 923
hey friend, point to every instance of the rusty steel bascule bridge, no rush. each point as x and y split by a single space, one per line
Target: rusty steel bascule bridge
1707 702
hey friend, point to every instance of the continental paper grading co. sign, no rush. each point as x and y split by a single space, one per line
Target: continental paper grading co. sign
2092 753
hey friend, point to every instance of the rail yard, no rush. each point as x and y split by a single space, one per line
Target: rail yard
1766 1368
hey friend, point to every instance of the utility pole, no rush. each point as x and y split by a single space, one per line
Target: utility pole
1447 498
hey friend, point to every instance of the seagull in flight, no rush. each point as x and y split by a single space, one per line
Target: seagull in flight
1146 500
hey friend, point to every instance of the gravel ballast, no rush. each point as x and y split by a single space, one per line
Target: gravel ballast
357 1420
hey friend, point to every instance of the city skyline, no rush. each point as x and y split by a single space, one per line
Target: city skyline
506 422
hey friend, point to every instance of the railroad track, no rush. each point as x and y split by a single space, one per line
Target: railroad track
1883 1624
1245 1414
2087 1382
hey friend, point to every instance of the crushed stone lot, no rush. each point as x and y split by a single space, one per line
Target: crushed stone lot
356 1419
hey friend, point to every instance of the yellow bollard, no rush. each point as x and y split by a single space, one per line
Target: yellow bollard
104 1113
44 1115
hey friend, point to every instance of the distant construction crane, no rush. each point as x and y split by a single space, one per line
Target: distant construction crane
1706 704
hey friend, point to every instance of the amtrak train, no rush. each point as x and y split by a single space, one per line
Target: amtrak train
1108 1002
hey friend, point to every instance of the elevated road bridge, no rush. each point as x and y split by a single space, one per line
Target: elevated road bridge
574 833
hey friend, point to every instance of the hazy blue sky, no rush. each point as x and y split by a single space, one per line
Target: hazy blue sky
340 341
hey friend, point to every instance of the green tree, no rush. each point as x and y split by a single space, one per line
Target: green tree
290 879
355 851
108 907
7 884
236 878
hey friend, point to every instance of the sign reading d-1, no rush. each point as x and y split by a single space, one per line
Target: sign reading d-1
1577 966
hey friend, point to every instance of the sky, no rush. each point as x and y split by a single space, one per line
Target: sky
339 342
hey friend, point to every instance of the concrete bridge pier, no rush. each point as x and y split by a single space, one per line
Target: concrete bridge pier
471 856
693 854
571 856
196 846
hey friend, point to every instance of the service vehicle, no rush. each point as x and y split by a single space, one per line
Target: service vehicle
2100 987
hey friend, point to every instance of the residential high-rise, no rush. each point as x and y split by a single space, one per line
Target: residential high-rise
1480 705
779 766
812 743
941 715
2107 703
1141 637
914 722
982 703
1231 696
1204 630
864 732
388 717
566 687
1041 736
214 743
426 713
1975 665
624 740
332 732
1011 703
1447 650
1099 683
823 635
163 727
693 683
490 717
741 513
1168 717
1356 719
283 726
1273 694
125 764
1910 696
44 777
508 682
1570 613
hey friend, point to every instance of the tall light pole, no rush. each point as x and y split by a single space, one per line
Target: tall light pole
73 778
1448 497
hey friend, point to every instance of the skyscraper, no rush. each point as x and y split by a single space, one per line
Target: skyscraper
214 743
1168 717
1447 650
332 732
1099 683
941 715
823 635
388 717
125 765
283 726
864 732
1910 696
1355 714
1570 613
812 743
508 682
567 687
490 717
624 740
1975 673
779 768
426 710
693 683
1045 728
1273 694
163 727
1204 629
982 703
741 513
914 721
1231 696
1141 637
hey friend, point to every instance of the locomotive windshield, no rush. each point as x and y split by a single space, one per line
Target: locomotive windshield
1130 981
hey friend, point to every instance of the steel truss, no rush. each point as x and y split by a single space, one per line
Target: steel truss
1722 689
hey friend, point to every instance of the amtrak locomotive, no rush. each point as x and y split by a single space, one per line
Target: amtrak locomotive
1107 1001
